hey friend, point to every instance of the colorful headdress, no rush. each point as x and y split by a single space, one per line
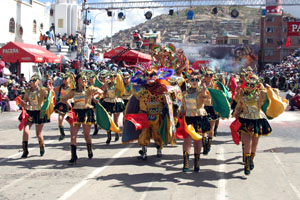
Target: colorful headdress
35 77
168 57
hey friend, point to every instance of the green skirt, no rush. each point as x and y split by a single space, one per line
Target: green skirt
212 115
85 116
61 108
255 127
34 117
117 107
200 124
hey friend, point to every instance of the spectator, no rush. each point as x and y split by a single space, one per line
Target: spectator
58 43
40 42
49 43
2 64
6 72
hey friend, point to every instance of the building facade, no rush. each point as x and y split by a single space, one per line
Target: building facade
22 21
66 16
274 34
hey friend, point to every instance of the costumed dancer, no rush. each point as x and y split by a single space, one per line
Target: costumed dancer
35 100
128 88
92 79
252 117
152 102
61 108
212 115
83 110
112 101
195 115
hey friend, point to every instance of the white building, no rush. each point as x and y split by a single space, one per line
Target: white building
66 16
22 21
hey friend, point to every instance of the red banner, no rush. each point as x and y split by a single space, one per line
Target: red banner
293 28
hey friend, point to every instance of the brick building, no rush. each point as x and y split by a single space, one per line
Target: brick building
274 34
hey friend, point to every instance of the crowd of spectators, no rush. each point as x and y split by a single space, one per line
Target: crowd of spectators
50 38
286 77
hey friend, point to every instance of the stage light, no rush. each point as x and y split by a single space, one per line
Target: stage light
121 16
214 11
234 13
148 15
171 12
109 13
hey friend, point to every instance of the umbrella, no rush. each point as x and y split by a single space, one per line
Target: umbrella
3 80
64 59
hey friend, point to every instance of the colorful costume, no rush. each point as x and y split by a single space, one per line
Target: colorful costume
253 108
195 115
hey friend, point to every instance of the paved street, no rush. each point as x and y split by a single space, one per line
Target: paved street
115 173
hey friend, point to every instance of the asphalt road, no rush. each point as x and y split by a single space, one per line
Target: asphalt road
116 173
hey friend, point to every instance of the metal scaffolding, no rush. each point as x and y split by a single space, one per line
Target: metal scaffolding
184 4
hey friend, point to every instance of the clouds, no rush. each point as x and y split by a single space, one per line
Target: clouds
103 22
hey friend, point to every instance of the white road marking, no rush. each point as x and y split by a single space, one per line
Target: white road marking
25 176
20 153
92 175
281 167
221 194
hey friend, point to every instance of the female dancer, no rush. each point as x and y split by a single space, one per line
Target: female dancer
84 113
60 107
33 101
112 102
253 120
195 114
212 116
128 88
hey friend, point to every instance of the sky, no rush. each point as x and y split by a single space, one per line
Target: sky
101 23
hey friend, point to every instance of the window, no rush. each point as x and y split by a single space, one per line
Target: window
245 41
234 41
269 41
269 52
269 30
21 31
12 25
41 26
285 29
269 19
34 27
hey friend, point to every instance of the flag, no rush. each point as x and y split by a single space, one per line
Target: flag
140 121
225 90
180 133
288 42
184 130
98 84
220 102
120 85
71 117
274 104
48 105
234 127
24 119
104 120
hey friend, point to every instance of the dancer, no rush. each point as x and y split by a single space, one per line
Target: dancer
112 101
212 115
60 107
253 120
128 88
84 113
33 101
196 115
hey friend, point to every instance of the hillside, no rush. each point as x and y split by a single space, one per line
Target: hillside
205 27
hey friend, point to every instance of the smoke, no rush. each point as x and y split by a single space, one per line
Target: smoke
220 57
